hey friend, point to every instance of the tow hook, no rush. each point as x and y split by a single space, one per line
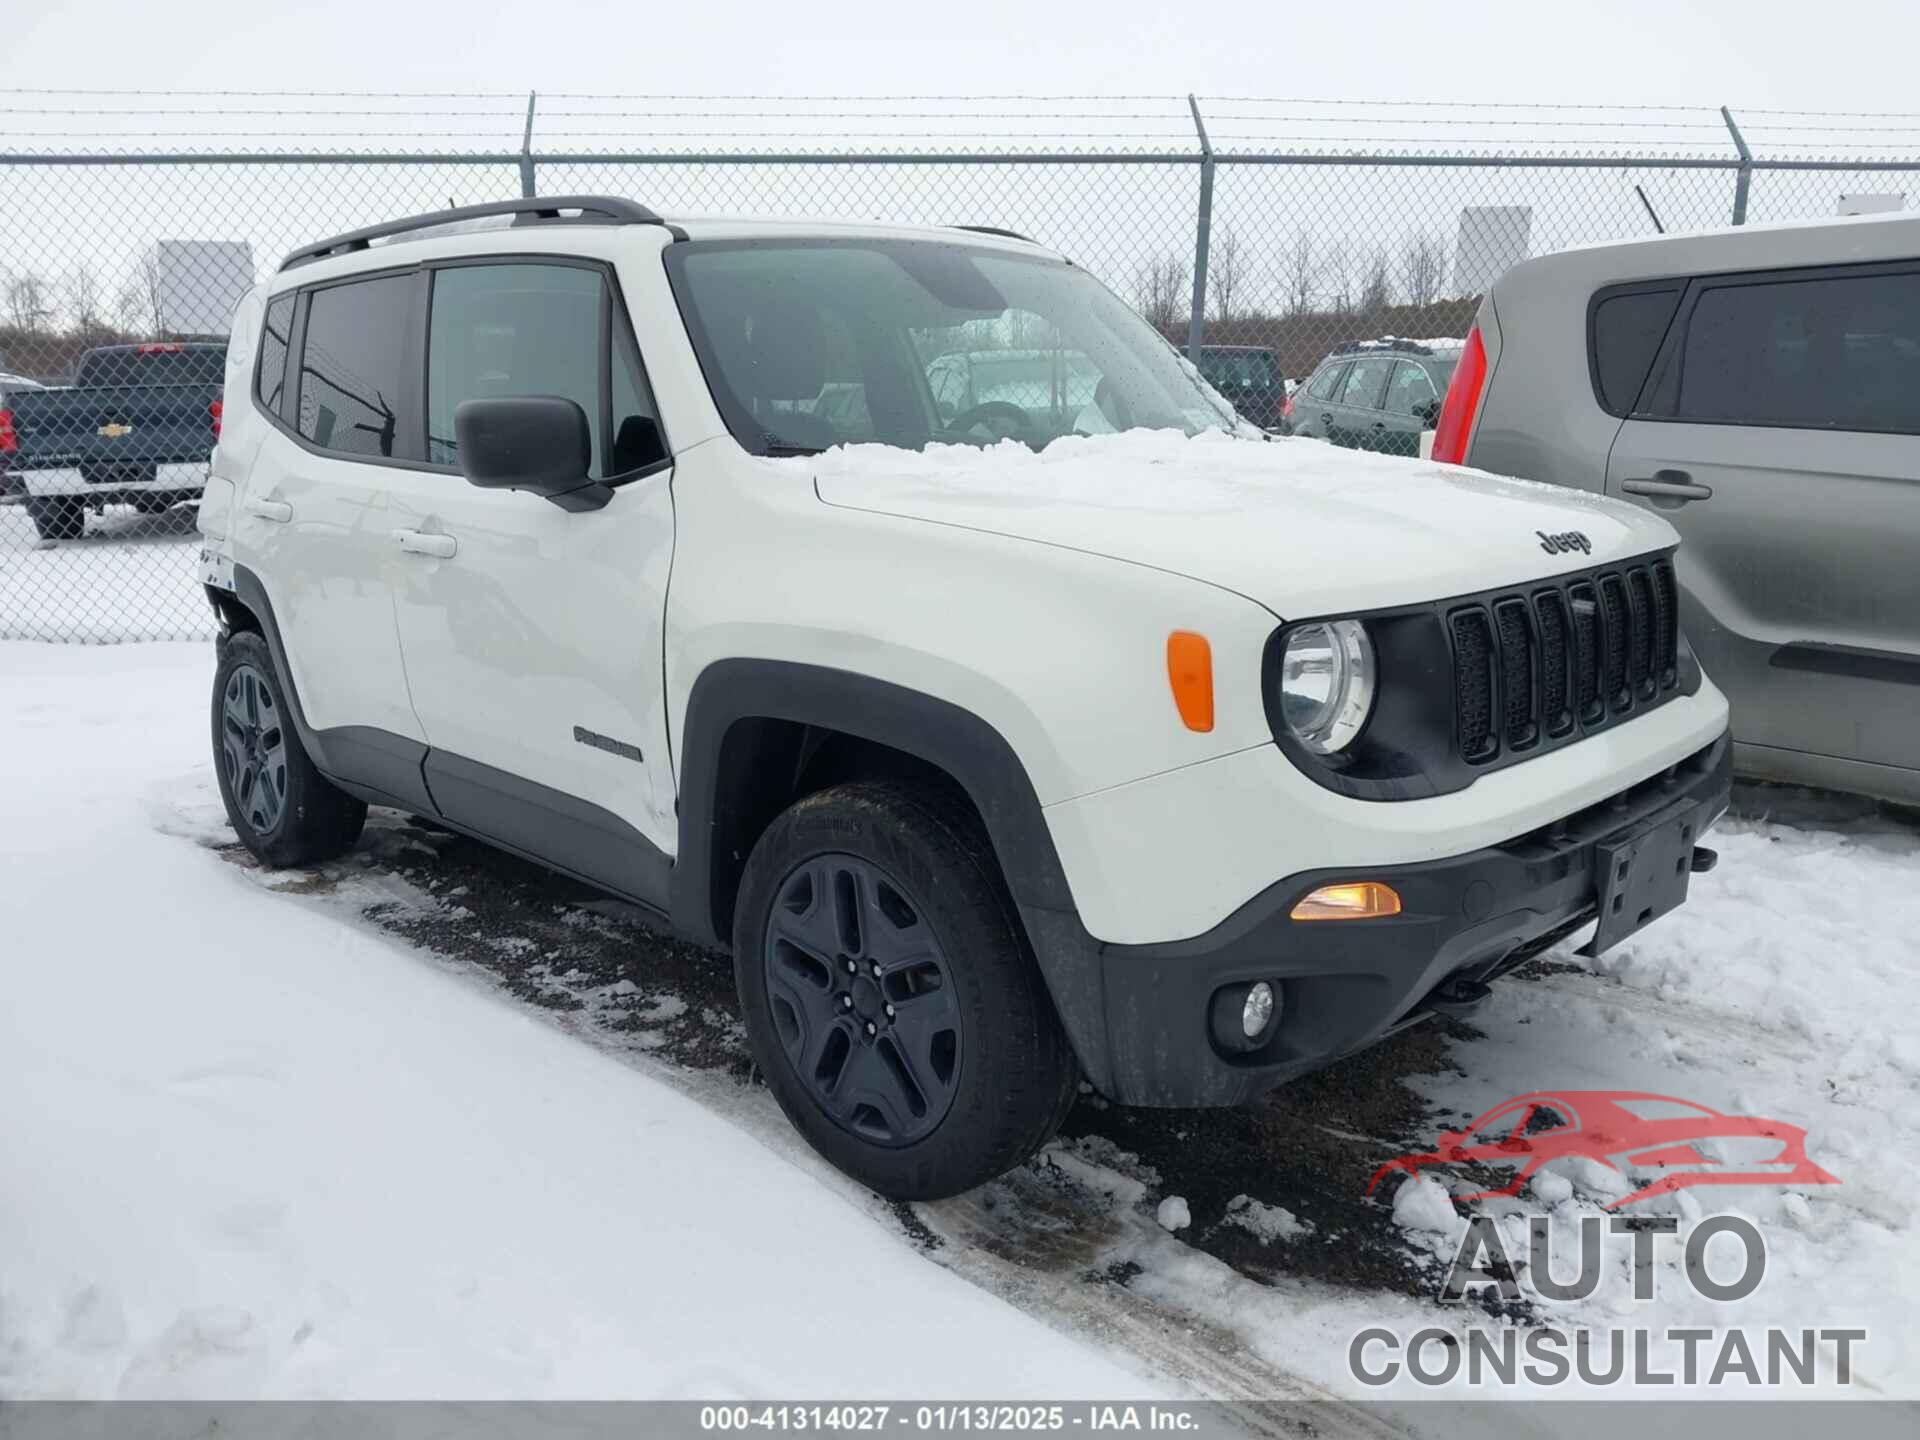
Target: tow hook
1457 996
1704 859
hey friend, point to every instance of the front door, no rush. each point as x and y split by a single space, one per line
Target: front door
532 634
1781 437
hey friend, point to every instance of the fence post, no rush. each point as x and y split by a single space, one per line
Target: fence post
1743 181
527 189
1197 320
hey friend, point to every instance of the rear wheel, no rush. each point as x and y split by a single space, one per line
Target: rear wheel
284 811
889 995
58 517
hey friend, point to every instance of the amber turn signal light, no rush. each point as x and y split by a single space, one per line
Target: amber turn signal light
1355 900
1190 673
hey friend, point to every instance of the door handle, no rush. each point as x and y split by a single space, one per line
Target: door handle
419 542
277 511
1668 485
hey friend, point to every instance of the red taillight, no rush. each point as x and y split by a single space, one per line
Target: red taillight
159 347
1286 410
1463 400
214 410
9 442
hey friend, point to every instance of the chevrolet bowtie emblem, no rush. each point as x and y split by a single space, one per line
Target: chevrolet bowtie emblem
113 430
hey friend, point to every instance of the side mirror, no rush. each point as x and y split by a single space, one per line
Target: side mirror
1428 413
538 443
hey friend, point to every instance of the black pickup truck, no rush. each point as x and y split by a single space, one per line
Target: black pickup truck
136 427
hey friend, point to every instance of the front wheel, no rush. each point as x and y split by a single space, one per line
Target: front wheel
284 811
889 994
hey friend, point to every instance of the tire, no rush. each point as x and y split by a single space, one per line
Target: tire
956 1013
284 811
58 517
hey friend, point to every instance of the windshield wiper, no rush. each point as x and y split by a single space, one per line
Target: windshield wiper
781 450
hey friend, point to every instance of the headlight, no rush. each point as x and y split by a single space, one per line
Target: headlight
1327 684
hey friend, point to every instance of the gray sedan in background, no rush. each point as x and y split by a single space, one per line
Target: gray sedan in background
1760 388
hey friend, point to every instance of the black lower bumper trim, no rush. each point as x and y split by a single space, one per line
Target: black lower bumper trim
1345 984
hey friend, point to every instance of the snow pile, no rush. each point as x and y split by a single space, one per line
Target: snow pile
1173 1214
253 1151
1267 1222
1422 1203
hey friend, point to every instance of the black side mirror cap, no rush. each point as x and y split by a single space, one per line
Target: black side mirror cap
538 443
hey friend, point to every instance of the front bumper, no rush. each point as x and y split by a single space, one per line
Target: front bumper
1345 984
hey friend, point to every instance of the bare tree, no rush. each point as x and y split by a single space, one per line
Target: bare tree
28 304
1162 292
1301 265
1423 269
133 307
1226 274
80 292
1337 279
1376 292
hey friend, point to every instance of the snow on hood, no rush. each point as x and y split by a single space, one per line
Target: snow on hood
1301 527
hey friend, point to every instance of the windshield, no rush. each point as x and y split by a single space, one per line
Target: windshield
808 344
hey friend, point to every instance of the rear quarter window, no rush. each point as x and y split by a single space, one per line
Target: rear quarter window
1625 331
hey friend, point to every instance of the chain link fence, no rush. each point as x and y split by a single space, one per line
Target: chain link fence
1258 234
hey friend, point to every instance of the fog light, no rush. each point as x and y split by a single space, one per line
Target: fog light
1257 1013
1356 900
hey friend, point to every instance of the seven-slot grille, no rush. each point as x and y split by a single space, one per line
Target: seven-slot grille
1575 653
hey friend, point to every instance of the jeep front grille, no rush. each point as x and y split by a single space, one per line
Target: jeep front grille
1575 655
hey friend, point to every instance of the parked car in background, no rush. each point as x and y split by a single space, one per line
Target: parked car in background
993 768
1375 394
136 427
1760 389
1250 377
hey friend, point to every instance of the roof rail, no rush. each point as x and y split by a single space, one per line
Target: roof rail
996 230
1404 347
543 210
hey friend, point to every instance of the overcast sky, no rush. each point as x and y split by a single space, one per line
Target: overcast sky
1839 54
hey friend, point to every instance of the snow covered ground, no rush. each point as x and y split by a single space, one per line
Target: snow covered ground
251 1151
130 577
258 1145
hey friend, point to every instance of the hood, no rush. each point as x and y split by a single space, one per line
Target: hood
1294 524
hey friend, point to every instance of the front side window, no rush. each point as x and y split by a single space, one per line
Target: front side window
1840 353
527 328
1409 389
809 344
353 367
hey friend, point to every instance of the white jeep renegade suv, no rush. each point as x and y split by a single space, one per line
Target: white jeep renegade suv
1007 729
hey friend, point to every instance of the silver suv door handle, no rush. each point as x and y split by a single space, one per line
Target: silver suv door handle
276 510
419 542
1669 485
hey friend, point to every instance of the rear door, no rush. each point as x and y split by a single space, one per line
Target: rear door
1357 419
312 523
532 634
1780 433
1313 408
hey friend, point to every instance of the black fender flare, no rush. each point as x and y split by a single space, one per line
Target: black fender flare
954 740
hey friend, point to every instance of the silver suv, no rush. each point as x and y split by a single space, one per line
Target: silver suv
1760 389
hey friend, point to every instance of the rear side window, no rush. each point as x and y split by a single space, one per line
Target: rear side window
353 365
270 376
1840 353
1627 330
1324 385
1365 382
